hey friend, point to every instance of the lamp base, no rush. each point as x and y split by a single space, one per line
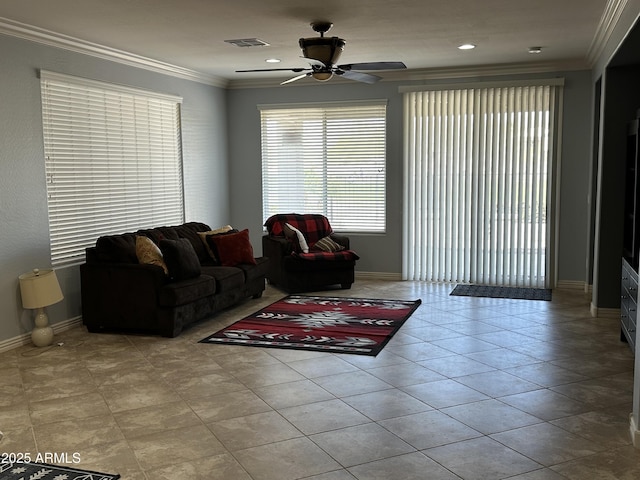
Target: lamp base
42 333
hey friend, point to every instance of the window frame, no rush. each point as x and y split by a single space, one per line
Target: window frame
327 136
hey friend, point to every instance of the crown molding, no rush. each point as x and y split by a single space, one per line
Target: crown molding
610 17
58 40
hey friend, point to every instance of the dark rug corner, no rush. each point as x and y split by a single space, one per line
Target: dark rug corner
44 471
492 291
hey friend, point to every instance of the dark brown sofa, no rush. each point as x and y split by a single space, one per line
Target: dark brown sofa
120 294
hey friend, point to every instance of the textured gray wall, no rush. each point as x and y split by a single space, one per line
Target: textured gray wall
24 236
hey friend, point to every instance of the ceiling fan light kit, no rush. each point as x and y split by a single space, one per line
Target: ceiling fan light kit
322 53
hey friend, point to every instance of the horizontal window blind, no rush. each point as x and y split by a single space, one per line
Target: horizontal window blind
113 161
326 159
478 180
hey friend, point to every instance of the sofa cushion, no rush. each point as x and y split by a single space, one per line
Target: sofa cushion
253 272
149 253
181 259
186 291
117 248
226 278
232 248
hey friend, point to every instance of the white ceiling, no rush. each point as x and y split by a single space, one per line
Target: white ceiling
423 34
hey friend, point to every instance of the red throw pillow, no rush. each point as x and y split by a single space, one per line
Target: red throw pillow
233 248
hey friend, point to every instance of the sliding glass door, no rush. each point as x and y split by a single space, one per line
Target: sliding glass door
479 184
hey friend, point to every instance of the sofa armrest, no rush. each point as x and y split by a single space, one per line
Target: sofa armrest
276 249
120 295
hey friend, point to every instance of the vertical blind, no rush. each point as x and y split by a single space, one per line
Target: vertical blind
478 173
327 159
113 161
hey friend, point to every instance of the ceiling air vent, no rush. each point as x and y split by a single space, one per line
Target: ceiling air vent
248 42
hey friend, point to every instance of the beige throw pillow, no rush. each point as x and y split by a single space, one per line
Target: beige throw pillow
149 253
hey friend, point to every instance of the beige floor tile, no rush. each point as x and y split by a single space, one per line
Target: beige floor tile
497 383
481 458
444 393
386 404
545 404
180 407
323 416
18 439
455 366
287 460
402 375
351 383
68 408
606 429
253 430
228 405
619 464
322 366
74 435
218 467
292 394
131 397
490 416
361 444
429 429
156 419
175 446
412 466
548 444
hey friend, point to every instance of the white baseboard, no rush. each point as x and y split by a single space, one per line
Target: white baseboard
25 338
635 433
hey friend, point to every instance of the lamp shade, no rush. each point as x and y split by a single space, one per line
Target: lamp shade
40 288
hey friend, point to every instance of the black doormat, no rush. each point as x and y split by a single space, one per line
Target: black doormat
502 292
44 471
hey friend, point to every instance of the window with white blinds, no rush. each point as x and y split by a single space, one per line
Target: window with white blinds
328 159
479 186
113 160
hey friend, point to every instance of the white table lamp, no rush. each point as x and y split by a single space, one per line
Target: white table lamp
40 289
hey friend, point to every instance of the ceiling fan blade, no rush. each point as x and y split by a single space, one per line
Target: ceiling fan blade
358 76
298 77
297 69
314 63
373 66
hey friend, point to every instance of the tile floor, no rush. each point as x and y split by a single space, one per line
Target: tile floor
468 389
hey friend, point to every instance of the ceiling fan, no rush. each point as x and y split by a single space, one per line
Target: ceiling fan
322 54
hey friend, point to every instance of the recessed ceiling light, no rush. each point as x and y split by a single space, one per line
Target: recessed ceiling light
535 49
467 46
272 60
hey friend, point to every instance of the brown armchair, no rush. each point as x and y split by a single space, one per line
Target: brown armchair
327 260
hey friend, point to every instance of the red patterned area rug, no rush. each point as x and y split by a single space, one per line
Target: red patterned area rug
361 326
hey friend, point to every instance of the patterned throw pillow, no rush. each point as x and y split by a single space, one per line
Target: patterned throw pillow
296 237
149 253
327 244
